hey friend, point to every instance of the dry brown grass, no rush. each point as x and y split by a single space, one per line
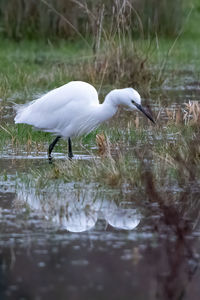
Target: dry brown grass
191 114
188 114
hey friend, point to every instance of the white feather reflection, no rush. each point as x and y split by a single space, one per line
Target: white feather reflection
120 218
78 209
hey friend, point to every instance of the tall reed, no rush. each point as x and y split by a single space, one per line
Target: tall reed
59 18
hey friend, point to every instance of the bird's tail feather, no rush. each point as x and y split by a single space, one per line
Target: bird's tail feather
19 109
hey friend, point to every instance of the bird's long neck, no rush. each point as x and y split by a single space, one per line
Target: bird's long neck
97 114
108 108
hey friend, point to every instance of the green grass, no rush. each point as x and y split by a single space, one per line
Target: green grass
50 19
31 68
22 137
28 68
172 167
182 52
172 151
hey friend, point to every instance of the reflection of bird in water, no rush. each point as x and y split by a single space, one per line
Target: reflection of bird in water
123 218
78 212
74 109
76 220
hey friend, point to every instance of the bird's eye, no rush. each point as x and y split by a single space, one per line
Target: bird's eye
133 101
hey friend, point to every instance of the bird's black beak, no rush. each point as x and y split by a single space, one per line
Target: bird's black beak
144 112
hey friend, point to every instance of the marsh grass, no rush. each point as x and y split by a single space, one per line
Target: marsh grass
174 163
116 64
52 19
25 140
158 165
117 60
113 57
23 81
133 132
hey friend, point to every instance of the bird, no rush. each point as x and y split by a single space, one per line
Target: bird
73 109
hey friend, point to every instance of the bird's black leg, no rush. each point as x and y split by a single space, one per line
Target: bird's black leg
51 146
70 154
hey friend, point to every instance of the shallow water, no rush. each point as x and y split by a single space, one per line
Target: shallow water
84 241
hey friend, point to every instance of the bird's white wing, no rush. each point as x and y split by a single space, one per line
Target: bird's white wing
59 106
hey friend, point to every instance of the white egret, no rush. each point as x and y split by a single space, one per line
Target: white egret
74 109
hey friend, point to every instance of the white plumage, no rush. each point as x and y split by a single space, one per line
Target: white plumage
74 109
61 110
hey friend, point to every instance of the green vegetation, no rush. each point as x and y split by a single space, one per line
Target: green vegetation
172 163
127 171
132 52
171 150
108 58
50 19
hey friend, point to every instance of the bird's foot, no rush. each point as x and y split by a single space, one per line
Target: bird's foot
70 155
50 158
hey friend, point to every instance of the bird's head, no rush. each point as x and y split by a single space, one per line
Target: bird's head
130 99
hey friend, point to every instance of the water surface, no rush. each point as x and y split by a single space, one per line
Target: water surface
82 240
